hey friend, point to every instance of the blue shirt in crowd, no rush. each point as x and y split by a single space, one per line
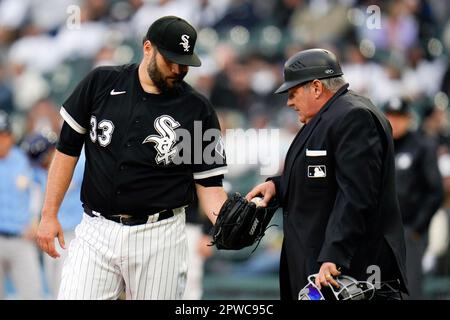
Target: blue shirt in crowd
15 183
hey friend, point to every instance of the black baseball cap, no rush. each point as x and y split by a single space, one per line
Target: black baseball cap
398 106
175 39
5 124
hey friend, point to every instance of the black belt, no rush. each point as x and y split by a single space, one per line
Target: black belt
131 220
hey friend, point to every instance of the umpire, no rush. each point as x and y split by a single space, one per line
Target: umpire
419 186
131 120
337 190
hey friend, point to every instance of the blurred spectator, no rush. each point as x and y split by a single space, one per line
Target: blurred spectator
43 116
38 52
152 10
440 9
398 31
239 13
44 15
99 9
39 149
234 88
356 67
6 95
435 125
436 259
203 79
12 14
445 85
18 253
209 12
85 40
241 172
287 121
421 77
28 86
284 10
306 23
386 82
264 79
419 187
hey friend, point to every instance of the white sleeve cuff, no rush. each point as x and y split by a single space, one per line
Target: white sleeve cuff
72 123
210 173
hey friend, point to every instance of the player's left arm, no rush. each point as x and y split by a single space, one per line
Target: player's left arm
210 200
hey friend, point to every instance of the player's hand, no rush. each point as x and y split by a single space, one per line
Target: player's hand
48 230
266 189
327 271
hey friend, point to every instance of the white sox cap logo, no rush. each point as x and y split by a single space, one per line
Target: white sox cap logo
164 144
185 42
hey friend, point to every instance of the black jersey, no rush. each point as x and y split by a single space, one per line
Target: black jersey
134 163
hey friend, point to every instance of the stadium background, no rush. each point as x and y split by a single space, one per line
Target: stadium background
400 50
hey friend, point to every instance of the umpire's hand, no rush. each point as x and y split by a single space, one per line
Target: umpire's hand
326 275
266 189
49 229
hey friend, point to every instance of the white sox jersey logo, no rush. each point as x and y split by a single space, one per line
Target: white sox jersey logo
164 143
185 42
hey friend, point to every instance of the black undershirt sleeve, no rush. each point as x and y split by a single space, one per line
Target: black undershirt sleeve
70 142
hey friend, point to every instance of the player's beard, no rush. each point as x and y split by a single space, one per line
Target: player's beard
159 80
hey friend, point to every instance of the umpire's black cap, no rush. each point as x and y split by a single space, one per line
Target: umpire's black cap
308 65
175 39
399 106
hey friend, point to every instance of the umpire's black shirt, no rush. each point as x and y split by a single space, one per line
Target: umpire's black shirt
419 182
130 140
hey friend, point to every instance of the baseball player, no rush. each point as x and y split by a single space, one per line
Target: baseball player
129 119
18 254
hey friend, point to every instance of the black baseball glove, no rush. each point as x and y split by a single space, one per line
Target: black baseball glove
241 223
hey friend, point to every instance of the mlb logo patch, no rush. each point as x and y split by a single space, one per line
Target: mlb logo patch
319 171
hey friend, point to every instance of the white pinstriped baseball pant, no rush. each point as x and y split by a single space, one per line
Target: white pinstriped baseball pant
149 261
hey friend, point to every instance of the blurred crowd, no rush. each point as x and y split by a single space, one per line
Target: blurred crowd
388 50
